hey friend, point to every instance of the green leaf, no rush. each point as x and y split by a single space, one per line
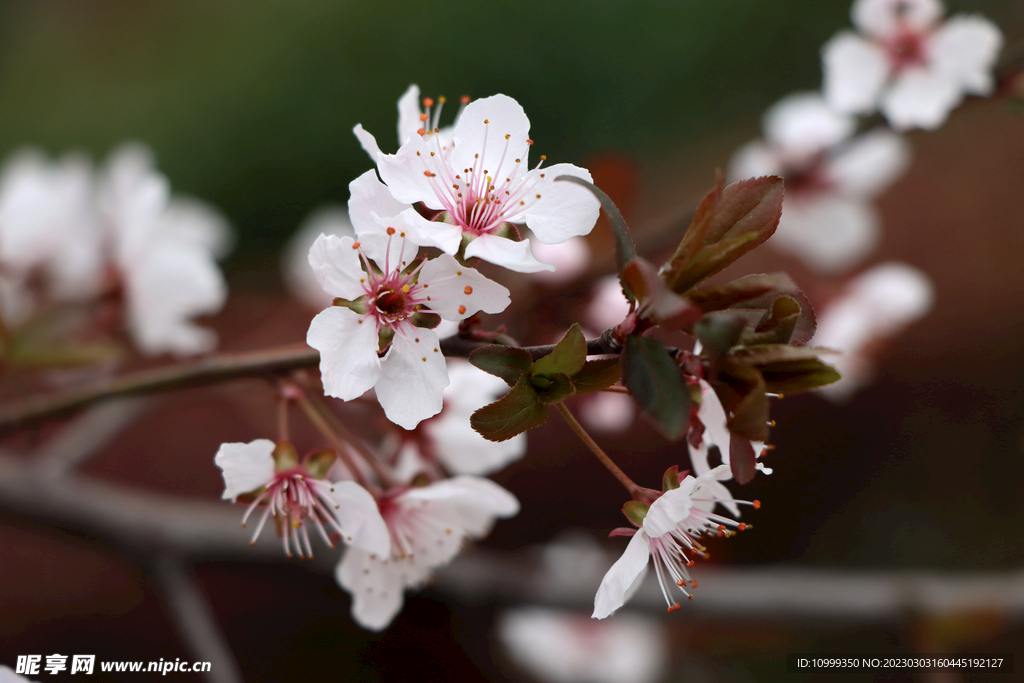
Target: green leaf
741 390
763 354
718 332
597 375
718 297
728 223
507 362
670 480
790 377
319 462
512 414
551 388
636 511
656 383
625 251
568 356
742 459
777 324
755 309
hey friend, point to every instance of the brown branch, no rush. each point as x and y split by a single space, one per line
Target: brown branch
211 370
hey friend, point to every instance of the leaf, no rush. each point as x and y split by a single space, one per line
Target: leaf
551 388
285 456
741 390
728 223
776 325
512 414
718 297
754 311
763 354
507 362
656 301
625 251
597 375
718 332
319 462
636 511
656 383
670 480
790 377
568 356
742 459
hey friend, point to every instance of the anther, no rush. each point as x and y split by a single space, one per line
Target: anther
428 103
771 423
721 527
689 563
421 131
423 117
693 584
742 526
507 136
465 99
355 245
462 310
756 504
543 157
429 174
468 290
529 141
442 99
391 231
486 121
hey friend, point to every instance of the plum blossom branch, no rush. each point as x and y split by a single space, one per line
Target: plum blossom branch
213 369
634 490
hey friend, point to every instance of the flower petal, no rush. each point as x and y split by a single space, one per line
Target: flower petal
475 501
375 584
451 286
753 160
670 509
504 252
883 18
611 594
404 172
347 343
802 125
246 466
409 113
359 517
828 232
920 99
564 209
445 236
412 377
490 135
854 72
964 49
869 163
335 262
368 142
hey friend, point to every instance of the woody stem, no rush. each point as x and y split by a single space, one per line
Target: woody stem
631 486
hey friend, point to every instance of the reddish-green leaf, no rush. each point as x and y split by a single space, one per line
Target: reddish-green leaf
551 388
625 251
741 389
742 459
718 297
656 301
597 375
656 383
636 511
568 356
718 332
512 414
790 377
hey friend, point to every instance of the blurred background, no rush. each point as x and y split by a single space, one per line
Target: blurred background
250 107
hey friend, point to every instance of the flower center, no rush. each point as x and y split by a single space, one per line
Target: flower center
907 50
293 497
391 304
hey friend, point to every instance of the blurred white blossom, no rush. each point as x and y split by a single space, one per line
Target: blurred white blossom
567 647
875 306
298 276
828 220
908 63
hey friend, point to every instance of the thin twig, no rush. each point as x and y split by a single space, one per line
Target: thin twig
340 447
336 426
210 370
196 623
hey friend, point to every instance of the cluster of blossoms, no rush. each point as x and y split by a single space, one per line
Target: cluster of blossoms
913 68
69 234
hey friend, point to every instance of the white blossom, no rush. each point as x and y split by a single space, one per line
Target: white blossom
875 306
298 277
828 220
427 526
566 647
908 63
389 295
165 249
484 186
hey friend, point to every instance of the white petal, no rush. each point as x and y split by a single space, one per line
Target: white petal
7 675
370 206
367 142
564 209
359 517
335 262
506 253
802 125
611 594
854 72
608 306
412 377
570 259
828 232
869 163
409 114
753 160
608 412
716 433
964 49
166 287
375 584
298 276
246 466
920 99
882 18
445 236
193 220
476 501
451 285
347 343
713 493
670 509
483 146
403 172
